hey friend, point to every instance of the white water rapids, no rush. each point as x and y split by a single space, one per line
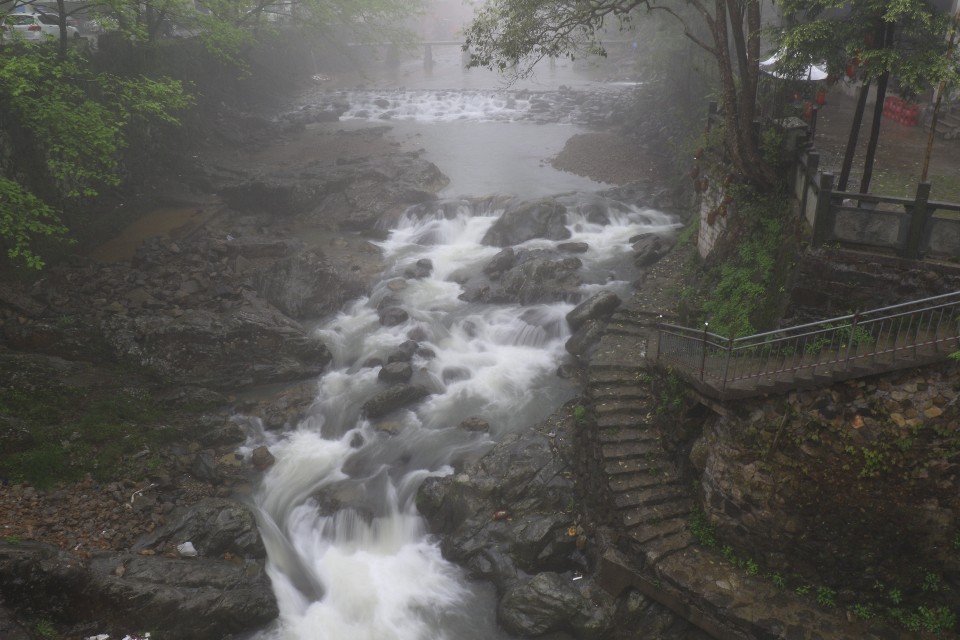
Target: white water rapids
349 556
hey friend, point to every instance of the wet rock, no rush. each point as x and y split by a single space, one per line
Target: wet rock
573 247
214 526
396 397
395 372
649 248
586 338
525 221
599 306
392 316
421 269
500 263
251 345
549 602
191 599
204 468
453 374
475 423
262 459
307 285
404 352
542 280
522 476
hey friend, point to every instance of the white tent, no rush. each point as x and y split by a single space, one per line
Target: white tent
813 73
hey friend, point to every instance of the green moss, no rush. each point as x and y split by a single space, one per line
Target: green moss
72 436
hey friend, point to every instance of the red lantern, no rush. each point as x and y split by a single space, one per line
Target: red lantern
851 69
821 98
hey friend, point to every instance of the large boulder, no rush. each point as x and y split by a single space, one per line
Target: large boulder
396 397
542 280
214 526
550 602
253 344
509 513
307 285
190 599
599 306
528 220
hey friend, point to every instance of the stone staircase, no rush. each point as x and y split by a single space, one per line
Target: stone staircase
647 504
636 492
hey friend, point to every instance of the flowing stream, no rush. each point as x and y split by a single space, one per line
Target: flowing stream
349 556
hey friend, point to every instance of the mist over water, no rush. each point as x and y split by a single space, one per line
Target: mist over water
349 555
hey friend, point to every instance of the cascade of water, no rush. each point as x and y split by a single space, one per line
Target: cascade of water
348 553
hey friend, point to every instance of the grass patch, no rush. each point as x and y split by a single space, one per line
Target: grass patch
889 183
72 435
741 294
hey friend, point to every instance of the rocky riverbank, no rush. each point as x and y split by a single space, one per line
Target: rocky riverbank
123 370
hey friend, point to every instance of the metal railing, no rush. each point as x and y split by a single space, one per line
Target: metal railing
862 343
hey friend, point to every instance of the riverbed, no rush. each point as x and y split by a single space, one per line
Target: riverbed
349 556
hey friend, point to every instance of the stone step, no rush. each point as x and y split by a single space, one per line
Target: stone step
650 496
644 524
658 468
649 449
630 329
637 481
611 406
624 421
667 545
621 391
612 375
614 435
614 350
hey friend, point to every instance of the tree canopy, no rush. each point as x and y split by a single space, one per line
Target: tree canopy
506 33
64 125
512 34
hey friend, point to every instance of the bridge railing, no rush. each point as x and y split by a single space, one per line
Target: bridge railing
879 339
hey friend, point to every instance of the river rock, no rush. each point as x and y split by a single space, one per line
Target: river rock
500 263
586 338
649 247
395 372
396 397
549 602
262 459
253 344
307 285
507 514
541 280
527 220
599 306
189 599
215 526
392 316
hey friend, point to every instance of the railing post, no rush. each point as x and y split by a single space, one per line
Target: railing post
703 350
853 334
822 218
726 365
918 218
659 336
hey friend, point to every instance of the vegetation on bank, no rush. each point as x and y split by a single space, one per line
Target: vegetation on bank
61 434
80 123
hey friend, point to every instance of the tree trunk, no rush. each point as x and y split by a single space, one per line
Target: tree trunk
62 19
851 150
877 117
936 105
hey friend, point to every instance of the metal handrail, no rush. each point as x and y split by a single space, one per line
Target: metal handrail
875 340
